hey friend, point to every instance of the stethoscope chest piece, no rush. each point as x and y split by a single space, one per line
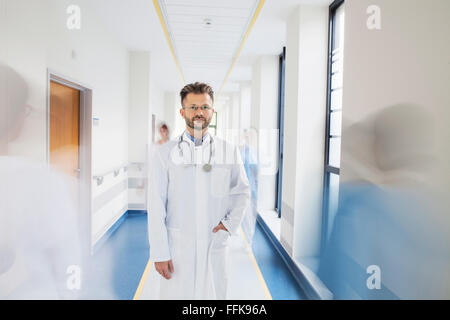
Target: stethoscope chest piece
206 167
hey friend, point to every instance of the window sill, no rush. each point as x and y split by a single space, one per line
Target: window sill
309 267
306 266
271 219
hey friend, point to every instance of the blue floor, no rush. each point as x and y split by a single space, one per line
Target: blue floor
115 270
279 280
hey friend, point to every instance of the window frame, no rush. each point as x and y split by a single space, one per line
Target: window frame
281 90
214 123
329 169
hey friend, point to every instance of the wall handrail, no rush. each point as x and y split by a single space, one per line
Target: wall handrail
140 165
115 171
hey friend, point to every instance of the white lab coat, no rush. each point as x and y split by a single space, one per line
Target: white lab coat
185 204
38 231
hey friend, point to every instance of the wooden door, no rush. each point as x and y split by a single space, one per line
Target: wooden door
64 128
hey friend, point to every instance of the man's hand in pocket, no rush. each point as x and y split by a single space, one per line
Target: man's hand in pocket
220 226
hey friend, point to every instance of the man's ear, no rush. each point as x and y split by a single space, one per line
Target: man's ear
182 112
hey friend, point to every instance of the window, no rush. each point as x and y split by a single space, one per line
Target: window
334 116
281 81
213 123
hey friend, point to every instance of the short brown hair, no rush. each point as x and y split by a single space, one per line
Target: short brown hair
197 88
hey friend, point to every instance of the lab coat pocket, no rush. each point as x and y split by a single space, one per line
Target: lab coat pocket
218 256
220 240
220 182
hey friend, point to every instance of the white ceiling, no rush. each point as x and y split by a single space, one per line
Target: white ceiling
268 36
206 35
204 54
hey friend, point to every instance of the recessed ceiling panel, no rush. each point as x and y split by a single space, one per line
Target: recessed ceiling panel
206 35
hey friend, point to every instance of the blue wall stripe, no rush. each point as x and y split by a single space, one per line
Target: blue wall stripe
114 227
137 211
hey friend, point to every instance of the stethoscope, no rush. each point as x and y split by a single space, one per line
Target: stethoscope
207 166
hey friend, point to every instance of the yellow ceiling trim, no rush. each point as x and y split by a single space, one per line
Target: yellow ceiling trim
169 41
247 33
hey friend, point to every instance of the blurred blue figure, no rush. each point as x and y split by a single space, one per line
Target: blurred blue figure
251 168
390 235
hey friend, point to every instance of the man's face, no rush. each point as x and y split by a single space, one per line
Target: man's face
197 119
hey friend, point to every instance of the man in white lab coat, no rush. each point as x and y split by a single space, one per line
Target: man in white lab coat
198 193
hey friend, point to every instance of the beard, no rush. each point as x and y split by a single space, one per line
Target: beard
191 122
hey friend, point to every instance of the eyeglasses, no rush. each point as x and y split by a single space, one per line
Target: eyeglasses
195 108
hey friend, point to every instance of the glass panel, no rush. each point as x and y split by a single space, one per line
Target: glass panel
339 28
333 199
336 99
336 81
335 123
335 67
335 152
335 57
336 34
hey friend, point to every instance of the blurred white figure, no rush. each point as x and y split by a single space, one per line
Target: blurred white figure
40 251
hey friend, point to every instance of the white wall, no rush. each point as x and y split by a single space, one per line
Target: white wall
264 119
290 127
139 106
34 38
235 109
138 128
305 110
146 99
223 108
172 115
37 39
175 105
157 106
245 95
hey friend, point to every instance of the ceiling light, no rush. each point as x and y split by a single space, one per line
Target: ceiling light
207 23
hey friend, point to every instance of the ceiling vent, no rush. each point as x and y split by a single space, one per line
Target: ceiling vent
207 23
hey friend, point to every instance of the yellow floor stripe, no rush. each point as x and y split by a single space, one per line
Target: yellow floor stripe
143 280
258 271
252 257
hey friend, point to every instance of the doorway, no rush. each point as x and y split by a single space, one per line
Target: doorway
64 129
69 132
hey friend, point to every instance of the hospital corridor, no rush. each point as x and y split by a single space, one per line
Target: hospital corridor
241 150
